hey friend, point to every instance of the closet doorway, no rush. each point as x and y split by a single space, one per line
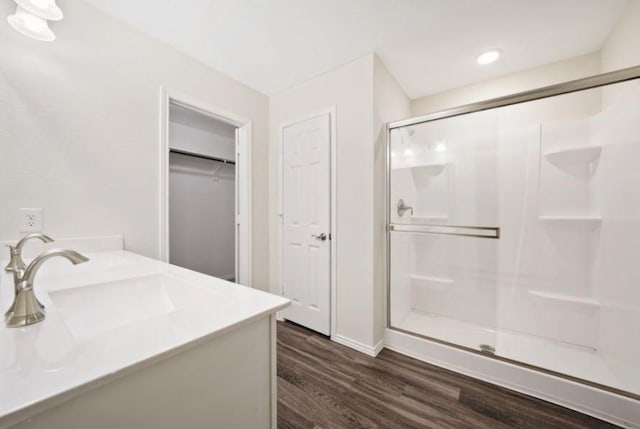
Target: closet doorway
205 197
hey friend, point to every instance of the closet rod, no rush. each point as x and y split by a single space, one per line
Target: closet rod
196 155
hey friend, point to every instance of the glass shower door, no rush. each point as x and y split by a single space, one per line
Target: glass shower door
444 230
515 231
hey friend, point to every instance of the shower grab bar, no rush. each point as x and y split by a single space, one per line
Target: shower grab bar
464 231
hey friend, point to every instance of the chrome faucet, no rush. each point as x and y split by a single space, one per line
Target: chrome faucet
26 309
16 262
402 208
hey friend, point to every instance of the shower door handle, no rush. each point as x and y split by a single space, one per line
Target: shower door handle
459 230
321 237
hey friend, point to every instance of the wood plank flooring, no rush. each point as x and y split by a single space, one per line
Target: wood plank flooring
323 385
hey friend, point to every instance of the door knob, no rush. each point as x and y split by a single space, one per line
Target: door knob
321 237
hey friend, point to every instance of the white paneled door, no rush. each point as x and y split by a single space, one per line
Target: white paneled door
306 219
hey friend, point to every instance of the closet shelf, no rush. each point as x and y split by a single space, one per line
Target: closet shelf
571 299
574 223
574 155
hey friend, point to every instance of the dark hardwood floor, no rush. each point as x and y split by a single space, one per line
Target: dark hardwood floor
322 384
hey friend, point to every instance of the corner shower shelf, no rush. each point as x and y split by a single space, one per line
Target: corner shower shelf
432 169
574 155
574 223
431 282
569 299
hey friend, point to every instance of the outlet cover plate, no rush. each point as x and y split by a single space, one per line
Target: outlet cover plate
30 220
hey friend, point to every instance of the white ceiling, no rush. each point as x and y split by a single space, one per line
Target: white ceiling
428 45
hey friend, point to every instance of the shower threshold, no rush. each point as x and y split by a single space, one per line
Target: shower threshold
564 358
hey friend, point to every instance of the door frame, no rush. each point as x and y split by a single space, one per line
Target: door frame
333 230
243 221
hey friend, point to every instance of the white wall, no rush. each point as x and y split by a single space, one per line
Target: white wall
366 97
350 89
80 129
622 48
389 103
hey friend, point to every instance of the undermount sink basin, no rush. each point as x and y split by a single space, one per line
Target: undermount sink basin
89 311
60 268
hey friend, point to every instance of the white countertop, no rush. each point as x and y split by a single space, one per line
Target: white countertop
83 339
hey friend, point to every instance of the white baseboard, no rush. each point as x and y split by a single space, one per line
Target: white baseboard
378 347
357 345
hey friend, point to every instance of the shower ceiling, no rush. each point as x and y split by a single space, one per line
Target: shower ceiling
429 45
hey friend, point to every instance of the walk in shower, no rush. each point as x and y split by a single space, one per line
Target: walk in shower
514 229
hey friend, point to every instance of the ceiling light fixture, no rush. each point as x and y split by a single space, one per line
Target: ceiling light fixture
489 56
46 9
31 25
31 18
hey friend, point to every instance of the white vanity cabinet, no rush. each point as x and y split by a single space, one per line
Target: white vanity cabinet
204 364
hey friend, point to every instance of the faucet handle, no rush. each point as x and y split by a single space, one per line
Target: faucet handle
16 263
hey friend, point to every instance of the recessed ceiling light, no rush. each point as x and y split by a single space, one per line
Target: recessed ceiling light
489 56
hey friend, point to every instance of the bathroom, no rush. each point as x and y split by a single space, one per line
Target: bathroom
454 249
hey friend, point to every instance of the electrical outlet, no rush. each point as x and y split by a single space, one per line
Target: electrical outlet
30 220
